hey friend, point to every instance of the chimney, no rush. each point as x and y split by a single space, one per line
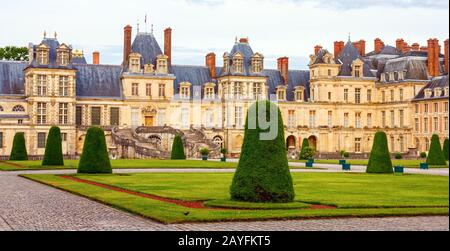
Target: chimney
424 48
433 57
446 56
283 68
378 45
406 48
317 48
415 47
338 46
127 44
400 44
243 40
96 58
168 45
211 64
362 47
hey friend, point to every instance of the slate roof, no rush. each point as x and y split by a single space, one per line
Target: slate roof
99 81
12 78
349 54
414 67
441 82
196 75
320 55
53 45
146 45
79 60
296 78
247 52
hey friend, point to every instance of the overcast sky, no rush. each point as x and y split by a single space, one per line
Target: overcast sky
275 27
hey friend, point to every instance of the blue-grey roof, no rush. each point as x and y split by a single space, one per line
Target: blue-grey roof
53 45
12 79
197 76
246 50
296 78
415 68
320 55
79 60
146 45
99 81
347 56
441 82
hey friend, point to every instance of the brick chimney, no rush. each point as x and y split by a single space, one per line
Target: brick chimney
243 40
338 46
362 47
211 64
317 48
433 57
127 43
168 45
406 48
400 44
446 56
415 47
96 58
283 67
378 45
424 48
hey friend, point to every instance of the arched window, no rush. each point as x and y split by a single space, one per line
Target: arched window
218 141
155 140
18 108
1 108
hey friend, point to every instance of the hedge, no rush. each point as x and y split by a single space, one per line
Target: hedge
178 149
95 157
19 149
436 155
380 158
53 148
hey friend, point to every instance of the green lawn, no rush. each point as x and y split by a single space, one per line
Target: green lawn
364 162
354 195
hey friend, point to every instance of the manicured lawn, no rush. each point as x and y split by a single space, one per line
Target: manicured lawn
364 162
354 195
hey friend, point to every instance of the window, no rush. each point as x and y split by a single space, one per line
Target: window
162 117
41 113
114 114
358 145
425 125
135 116
96 116
329 96
383 119
417 108
346 95
18 108
357 71
392 144
358 120
64 86
329 73
426 108
330 119
281 94
392 119
346 120
41 85
369 95
238 116
435 124
237 90
148 90
184 92
185 117
416 124
257 90
402 118
162 90
209 118
446 124
312 119
64 137
291 119
402 144
135 65
383 96
1 108
401 94
427 144
392 96
299 95
41 140
63 113
20 121
239 65
209 93
42 56
63 58
436 107
135 89
79 115
1 140
446 107
358 96
369 120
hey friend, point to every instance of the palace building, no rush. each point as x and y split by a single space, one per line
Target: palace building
345 97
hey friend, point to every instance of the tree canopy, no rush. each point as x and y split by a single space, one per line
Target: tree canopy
14 53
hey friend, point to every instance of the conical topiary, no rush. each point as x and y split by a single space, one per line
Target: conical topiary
435 155
305 148
95 153
178 149
19 149
263 173
380 158
446 149
53 148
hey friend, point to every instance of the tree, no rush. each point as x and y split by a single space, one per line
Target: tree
380 158
178 149
307 153
94 158
14 53
435 155
19 149
263 173
53 148
305 148
446 149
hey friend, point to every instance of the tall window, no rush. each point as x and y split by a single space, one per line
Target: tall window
346 120
237 90
148 90
358 95
425 125
135 89
329 96
392 119
209 118
64 137
402 144
416 125
357 71
41 113
257 90
299 95
63 58
436 107
402 118
184 92
1 140
41 140
392 96
209 94
383 96
446 107
64 86
369 120
41 85
330 119
135 116
238 116
42 57
358 145
446 124
96 116
162 90
291 119
369 95
63 113
401 94
312 119
392 144
358 120
114 113
435 124
416 108
185 117
79 115
162 117
426 108
383 119
346 95
281 94
427 144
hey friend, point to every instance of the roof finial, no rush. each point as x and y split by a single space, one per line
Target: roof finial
152 29
349 37
45 34
235 40
138 26
56 35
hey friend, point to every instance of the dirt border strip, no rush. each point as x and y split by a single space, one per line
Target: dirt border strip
12 164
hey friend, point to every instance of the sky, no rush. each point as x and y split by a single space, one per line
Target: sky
275 28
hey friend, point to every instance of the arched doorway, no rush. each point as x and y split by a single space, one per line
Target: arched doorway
290 142
155 140
313 142
418 146
218 141
237 144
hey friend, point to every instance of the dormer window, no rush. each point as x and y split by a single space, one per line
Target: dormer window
401 75
257 63
42 55
446 91
135 63
63 55
226 62
437 92
299 97
209 91
185 90
161 66
328 58
357 67
281 93
238 63
428 93
149 69
357 71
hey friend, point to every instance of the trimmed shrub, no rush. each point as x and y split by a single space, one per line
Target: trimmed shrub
398 156
95 157
53 148
346 154
307 153
263 173
435 155
380 158
446 149
19 149
178 149
423 155
204 151
305 146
